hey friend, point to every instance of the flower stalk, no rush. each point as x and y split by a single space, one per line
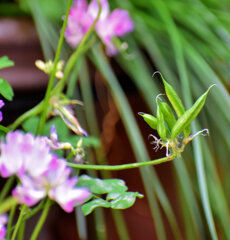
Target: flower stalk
22 213
53 73
41 220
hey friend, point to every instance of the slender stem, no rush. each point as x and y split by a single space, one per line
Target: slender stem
6 188
52 76
21 231
123 166
41 220
69 156
10 221
18 224
34 210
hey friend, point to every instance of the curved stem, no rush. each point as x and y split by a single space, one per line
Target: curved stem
52 76
41 220
32 112
34 210
123 166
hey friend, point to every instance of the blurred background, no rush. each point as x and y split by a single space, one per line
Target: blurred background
189 43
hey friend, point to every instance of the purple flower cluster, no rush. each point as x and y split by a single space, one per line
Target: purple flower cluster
40 172
82 15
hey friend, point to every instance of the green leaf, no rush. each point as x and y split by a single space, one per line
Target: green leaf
6 90
30 125
149 119
168 114
123 200
99 186
87 208
161 128
119 200
5 62
189 115
173 98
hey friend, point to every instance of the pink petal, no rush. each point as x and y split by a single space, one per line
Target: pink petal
1 103
58 173
93 9
28 192
2 232
5 172
78 23
67 196
27 195
121 22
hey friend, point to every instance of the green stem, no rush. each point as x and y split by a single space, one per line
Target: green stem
34 210
69 156
6 188
32 112
21 231
123 166
18 224
52 76
10 221
41 220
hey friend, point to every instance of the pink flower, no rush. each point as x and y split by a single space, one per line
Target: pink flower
40 173
3 221
24 153
79 22
1 105
67 196
27 192
81 17
55 183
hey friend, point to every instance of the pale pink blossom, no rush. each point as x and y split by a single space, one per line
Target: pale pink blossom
79 22
27 192
24 153
67 196
54 183
82 15
40 172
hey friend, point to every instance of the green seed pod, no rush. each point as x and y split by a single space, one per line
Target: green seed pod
150 119
189 115
176 102
161 129
168 114
174 99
